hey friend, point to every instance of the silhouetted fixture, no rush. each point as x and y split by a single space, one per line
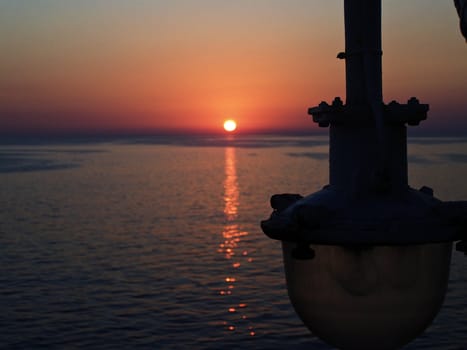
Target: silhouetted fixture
461 7
367 258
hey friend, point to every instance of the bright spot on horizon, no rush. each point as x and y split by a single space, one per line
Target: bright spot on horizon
230 125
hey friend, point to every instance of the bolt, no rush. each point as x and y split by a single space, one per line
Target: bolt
462 247
303 252
427 190
337 102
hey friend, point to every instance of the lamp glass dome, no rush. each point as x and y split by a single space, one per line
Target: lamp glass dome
374 297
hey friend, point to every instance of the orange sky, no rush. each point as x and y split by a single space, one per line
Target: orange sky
188 65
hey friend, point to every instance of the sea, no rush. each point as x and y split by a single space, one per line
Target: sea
154 242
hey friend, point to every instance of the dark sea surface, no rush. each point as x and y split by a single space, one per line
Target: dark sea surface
155 242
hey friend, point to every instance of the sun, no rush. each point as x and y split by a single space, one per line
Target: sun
230 125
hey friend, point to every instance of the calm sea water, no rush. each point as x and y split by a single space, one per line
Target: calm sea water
155 242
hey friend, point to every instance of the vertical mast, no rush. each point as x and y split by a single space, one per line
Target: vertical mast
363 52
367 154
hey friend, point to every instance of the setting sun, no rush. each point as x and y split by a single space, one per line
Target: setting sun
230 125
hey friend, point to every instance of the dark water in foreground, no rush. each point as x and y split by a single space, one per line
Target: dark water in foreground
155 243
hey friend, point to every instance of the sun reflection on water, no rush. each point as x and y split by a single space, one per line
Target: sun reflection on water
230 248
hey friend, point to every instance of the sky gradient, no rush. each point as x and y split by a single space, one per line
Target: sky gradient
185 65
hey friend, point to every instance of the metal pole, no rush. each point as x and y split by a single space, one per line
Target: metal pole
366 154
363 52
